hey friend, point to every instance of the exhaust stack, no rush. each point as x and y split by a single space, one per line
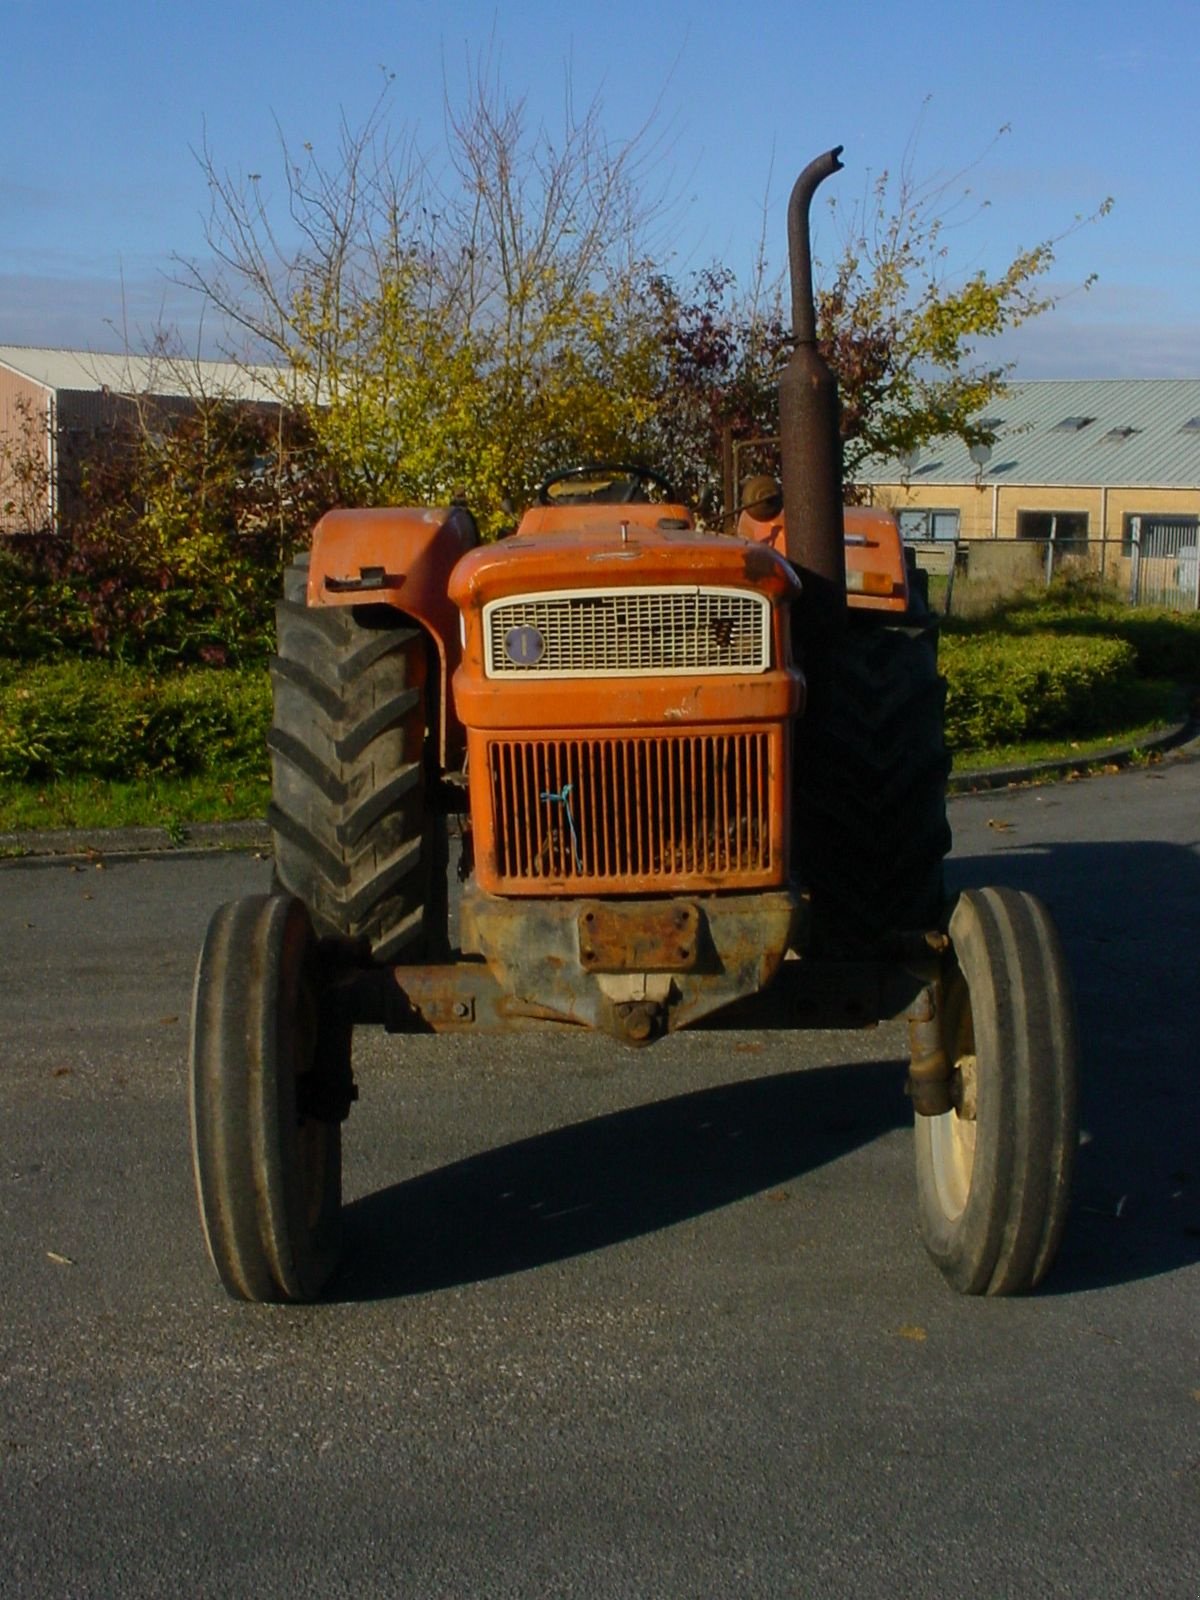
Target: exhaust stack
810 436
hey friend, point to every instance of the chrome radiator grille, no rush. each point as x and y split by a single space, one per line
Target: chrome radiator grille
627 632
653 811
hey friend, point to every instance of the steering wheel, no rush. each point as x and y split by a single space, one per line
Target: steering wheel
604 483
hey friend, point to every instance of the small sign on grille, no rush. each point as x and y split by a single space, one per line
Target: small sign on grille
524 646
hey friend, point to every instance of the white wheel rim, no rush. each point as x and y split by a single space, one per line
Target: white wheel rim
952 1136
952 1148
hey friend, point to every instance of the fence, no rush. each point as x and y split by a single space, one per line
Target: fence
968 576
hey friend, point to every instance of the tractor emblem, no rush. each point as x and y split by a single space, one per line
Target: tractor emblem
524 646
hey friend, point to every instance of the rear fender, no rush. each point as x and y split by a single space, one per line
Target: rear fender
876 577
400 557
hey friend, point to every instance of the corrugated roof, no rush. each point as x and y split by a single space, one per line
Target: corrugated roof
96 370
1079 431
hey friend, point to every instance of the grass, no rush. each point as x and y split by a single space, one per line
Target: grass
1150 707
1034 750
169 803
174 804
1168 646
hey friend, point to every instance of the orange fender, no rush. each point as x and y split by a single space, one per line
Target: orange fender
400 556
876 578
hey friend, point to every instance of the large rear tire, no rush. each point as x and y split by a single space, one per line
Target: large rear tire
870 829
994 1174
269 1081
353 830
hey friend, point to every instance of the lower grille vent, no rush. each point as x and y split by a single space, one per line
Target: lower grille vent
658 811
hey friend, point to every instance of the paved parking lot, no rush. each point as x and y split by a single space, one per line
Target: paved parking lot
615 1323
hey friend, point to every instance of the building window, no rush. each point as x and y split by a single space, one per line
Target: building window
1158 535
922 525
1061 526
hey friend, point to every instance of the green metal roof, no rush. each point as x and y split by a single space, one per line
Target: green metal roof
1086 432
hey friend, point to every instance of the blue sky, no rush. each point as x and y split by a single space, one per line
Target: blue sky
104 103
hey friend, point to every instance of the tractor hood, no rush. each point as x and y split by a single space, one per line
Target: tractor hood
615 553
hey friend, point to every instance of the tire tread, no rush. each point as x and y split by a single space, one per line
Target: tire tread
1026 1046
349 769
247 1004
870 825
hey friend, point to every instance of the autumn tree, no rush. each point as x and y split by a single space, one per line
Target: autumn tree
469 326
172 524
904 331
720 357
472 323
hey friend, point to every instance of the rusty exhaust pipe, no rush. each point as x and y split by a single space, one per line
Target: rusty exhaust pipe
810 438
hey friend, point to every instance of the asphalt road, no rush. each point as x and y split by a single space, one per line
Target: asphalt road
616 1323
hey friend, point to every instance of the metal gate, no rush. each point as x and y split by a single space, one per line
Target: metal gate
1165 569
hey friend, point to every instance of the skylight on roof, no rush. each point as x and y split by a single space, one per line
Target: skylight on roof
1192 425
1072 424
1117 435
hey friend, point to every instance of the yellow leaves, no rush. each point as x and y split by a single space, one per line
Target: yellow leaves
901 326
422 399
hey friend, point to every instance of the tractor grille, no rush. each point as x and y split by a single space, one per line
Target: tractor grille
640 812
626 632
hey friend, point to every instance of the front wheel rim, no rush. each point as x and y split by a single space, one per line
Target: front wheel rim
952 1149
952 1136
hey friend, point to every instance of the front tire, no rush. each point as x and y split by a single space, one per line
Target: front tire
266 1075
994 1174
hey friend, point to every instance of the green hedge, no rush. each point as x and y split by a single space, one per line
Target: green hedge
1002 688
85 718
78 717
1167 643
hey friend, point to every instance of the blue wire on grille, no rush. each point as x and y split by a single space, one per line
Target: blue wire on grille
563 798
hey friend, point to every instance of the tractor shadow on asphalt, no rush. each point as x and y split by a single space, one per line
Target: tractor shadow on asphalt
615 1177
1129 917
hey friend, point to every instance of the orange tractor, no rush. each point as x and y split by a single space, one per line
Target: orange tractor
689 771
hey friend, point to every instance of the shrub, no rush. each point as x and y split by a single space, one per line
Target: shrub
1002 689
171 542
80 718
1167 643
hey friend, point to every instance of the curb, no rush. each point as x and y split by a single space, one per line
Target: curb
65 846
68 846
1181 742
